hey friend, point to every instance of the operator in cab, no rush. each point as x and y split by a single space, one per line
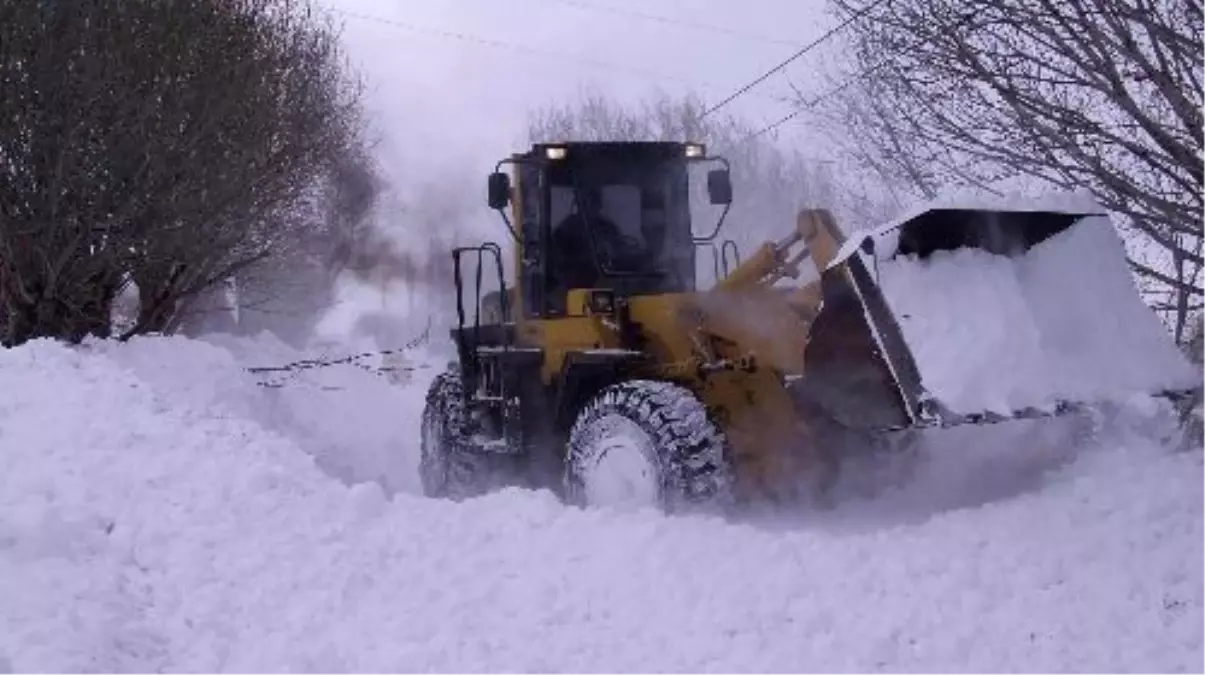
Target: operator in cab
584 242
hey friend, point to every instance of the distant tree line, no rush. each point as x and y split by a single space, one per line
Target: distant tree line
172 145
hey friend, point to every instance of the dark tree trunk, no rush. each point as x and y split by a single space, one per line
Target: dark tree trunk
95 316
1182 297
19 324
155 308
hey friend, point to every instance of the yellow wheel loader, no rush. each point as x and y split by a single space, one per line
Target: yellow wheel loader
605 372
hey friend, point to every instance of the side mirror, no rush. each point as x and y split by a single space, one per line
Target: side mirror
719 187
499 190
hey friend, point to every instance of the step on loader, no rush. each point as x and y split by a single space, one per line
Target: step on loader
607 372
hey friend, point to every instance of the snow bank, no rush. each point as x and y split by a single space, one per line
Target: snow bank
356 424
149 524
1063 322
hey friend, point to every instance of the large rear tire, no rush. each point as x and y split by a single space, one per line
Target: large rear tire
449 466
648 444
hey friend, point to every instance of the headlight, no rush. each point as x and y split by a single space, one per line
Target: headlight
695 150
555 153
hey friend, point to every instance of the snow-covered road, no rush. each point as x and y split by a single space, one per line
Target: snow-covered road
159 512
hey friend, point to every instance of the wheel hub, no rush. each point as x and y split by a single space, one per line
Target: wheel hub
622 473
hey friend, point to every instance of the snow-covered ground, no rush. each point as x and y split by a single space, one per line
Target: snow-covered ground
161 512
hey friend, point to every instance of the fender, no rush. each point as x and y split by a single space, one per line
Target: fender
586 372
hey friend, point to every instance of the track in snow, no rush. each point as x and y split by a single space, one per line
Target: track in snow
159 512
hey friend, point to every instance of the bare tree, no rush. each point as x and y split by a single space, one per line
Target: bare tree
57 120
288 292
1098 93
282 123
168 143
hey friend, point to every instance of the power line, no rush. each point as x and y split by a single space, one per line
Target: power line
805 49
522 49
510 46
694 25
771 127
811 104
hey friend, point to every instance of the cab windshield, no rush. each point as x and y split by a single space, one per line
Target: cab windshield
621 224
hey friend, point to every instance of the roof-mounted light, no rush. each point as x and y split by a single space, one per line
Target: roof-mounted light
555 152
695 150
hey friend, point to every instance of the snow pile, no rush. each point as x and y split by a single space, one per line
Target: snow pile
355 423
151 521
1061 323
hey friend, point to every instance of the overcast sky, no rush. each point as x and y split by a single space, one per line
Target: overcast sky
458 77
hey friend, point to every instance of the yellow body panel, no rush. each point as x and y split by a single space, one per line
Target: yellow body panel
748 401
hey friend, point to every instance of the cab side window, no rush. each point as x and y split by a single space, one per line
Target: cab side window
534 254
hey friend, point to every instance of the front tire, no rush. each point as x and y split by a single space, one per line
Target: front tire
449 467
648 444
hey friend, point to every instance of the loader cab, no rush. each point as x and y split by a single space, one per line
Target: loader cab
602 216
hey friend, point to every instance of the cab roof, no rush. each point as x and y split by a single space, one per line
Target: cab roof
615 149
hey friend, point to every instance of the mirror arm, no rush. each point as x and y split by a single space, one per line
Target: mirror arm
718 226
509 226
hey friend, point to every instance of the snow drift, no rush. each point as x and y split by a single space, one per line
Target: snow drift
152 518
353 423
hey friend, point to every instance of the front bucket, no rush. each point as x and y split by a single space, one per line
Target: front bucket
1010 311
